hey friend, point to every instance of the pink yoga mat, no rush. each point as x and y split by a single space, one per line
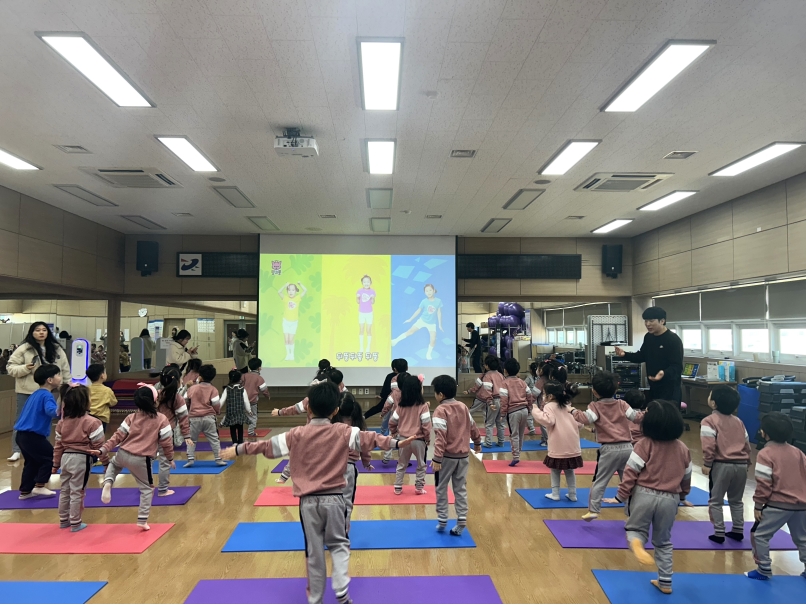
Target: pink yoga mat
366 495
97 539
532 467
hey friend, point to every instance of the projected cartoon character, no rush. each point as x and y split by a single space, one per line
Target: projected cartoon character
430 311
365 297
291 295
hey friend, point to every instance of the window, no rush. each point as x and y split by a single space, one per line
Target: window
569 338
692 338
755 340
720 339
792 341
581 337
552 336
560 337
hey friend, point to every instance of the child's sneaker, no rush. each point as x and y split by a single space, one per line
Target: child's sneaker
441 526
78 528
220 462
65 525
488 444
735 535
571 497
757 575
552 497
398 491
189 462
144 526
420 492
501 443
665 589
457 530
514 463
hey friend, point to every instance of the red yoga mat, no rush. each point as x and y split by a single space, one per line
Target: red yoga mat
96 539
532 467
366 495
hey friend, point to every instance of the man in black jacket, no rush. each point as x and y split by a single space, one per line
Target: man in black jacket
474 344
662 352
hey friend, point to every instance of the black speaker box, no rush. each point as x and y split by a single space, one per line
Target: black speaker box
148 257
611 260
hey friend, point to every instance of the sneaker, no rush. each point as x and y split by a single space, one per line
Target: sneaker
78 528
167 492
189 462
487 444
552 497
398 491
106 492
26 496
64 525
544 443
589 516
514 463
532 432
571 497
144 526
43 491
501 443
441 527
757 575
457 530
220 463
14 457
662 588
420 492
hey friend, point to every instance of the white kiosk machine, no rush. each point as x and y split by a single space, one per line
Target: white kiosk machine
79 360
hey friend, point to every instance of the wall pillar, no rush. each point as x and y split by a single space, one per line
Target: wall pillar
637 328
112 338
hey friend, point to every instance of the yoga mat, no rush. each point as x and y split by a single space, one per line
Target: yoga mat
536 498
415 590
532 467
49 592
364 535
201 467
686 535
377 466
365 495
225 431
483 431
530 445
634 587
121 496
97 539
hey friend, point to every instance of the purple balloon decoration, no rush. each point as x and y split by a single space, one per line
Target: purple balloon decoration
518 310
502 308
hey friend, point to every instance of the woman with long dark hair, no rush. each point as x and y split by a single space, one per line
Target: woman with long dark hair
149 347
177 353
40 347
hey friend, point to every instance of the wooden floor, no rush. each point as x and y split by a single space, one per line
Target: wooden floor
513 545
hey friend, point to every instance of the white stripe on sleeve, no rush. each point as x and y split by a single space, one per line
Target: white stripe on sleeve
355 438
479 382
99 432
503 392
707 431
763 471
215 399
300 405
165 431
440 424
181 411
124 426
631 413
425 418
636 462
279 442
263 387
395 416
591 415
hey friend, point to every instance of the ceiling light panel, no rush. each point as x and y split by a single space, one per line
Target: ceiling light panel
666 200
379 199
234 196
613 225
381 156
673 58
263 223
523 198
12 161
379 71
188 153
568 155
380 225
87 196
765 154
142 221
81 52
494 225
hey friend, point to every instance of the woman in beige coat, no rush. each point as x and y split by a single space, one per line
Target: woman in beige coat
177 353
40 347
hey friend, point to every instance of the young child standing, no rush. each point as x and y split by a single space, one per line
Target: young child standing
205 404
138 435
191 376
637 401
612 418
77 433
725 460
320 451
564 452
238 410
780 494
350 414
171 405
453 429
411 417
365 298
389 407
486 391
291 295
656 481
255 386
102 398
531 377
516 406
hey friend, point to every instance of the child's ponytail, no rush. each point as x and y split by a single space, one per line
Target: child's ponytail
561 393
350 412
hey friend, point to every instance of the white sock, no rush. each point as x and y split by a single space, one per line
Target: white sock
369 343
291 349
428 354
361 342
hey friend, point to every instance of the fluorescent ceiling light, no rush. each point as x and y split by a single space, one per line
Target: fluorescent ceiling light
142 221
263 223
188 153
667 200
657 73
567 156
613 225
82 53
234 196
770 152
87 196
523 198
12 161
379 69
380 225
381 157
379 199
494 225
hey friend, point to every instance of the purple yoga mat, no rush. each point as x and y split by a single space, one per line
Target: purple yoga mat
121 496
378 466
417 589
686 535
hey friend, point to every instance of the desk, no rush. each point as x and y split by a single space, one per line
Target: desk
695 394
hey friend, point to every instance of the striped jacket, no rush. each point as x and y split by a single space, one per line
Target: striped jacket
487 386
413 420
139 435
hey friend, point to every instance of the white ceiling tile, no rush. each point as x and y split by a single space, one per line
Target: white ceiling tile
528 9
570 20
496 78
627 10
513 40
475 20
307 92
483 107
245 35
463 60
545 61
297 58
285 19
602 40
331 8
380 124
428 9
231 7
211 55
187 21
381 18
335 39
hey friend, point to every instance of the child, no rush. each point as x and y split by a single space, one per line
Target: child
725 460
124 358
453 430
350 414
530 379
564 453
171 405
487 398
612 419
102 398
77 433
33 430
411 416
291 294
138 436
255 385
205 404
322 372
656 481
780 493
516 406
238 410
365 297
320 451
636 400
431 309
191 376
389 408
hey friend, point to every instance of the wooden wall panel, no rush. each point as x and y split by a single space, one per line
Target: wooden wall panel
760 210
548 287
796 238
547 245
40 261
80 234
594 282
760 254
675 271
712 226
41 221
10 209
492 287
492 245
645 247
712 264
674 238
78 268
796 198
645 277
9 252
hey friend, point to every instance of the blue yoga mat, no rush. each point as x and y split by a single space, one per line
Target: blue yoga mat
201 467
634 587
531 445
536 498
364 535
48 592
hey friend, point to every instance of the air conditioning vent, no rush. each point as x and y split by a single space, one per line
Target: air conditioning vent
72 149
463 153
679 155
134 178
621 182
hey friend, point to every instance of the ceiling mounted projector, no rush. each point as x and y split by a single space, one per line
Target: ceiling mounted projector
292 143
